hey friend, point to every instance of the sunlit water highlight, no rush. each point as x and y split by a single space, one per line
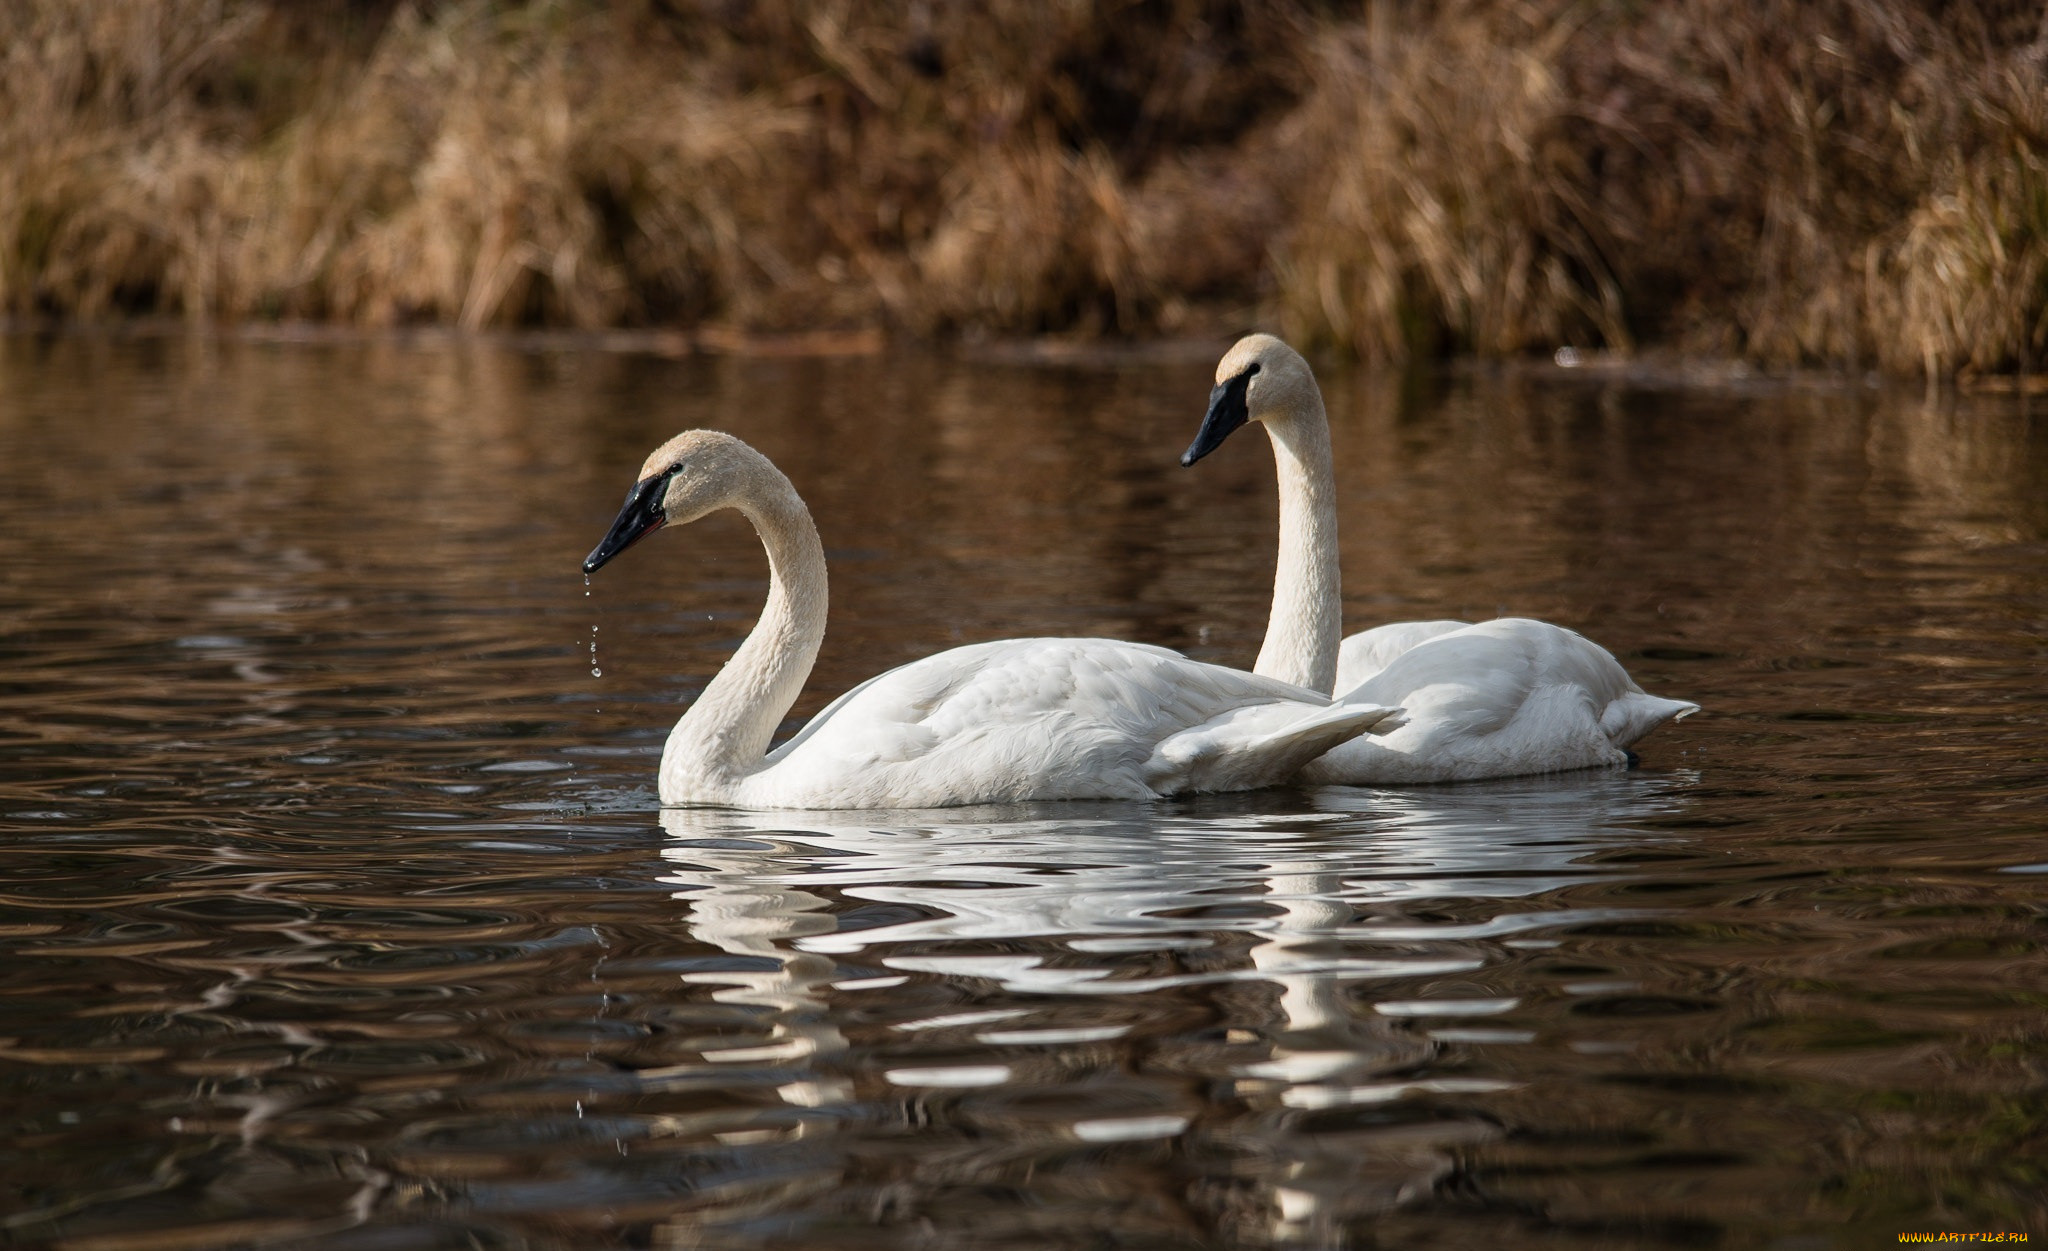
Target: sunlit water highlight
337 910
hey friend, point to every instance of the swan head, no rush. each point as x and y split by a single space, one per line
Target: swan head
696 473
1259 379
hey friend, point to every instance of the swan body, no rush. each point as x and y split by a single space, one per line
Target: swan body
1493 699
1009 721
1496 699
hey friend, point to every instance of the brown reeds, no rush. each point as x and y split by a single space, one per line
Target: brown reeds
1444 203
1848 182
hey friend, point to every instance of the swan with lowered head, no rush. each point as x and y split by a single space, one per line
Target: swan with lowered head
1496 699
1022 719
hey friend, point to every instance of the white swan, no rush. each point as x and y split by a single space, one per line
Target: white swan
1023 719
1496 699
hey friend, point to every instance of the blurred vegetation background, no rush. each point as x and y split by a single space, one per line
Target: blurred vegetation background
1855 183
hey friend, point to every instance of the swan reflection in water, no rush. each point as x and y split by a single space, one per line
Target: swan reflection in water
1061 916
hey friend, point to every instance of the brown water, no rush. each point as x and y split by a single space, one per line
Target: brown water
336 910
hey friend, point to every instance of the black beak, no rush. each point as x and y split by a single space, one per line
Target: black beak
1227 411
640 514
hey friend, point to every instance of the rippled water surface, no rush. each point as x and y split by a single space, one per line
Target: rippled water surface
337 911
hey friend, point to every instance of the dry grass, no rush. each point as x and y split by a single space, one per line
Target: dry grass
1444 205
1774 174
1853 182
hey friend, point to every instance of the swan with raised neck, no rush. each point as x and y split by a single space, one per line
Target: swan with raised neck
1497 699
1262 379
1008 721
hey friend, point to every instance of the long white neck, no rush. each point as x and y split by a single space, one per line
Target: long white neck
726 732
1305 627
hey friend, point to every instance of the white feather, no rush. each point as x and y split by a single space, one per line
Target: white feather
1017 720
1497 699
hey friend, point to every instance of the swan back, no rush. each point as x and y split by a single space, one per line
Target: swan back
1365 653
1050 718
1501 698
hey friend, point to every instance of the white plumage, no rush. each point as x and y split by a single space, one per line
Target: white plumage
1496 699
1021 719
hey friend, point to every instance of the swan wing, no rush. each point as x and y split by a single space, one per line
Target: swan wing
1565 658
1470 681
1498 699
1053 719
1369 651
1259 745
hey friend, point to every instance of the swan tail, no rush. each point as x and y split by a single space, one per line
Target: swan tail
1635 714
1258 745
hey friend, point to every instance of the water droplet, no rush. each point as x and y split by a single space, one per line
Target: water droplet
596 672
